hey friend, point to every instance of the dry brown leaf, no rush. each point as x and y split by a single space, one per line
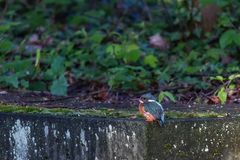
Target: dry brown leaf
157 41
214 100
103 95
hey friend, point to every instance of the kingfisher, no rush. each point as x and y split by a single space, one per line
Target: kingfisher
151 109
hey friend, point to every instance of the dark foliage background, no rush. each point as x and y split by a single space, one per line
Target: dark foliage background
180 49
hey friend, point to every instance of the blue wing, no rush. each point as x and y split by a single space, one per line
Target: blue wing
155 109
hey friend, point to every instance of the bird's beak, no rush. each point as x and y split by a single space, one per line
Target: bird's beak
140 100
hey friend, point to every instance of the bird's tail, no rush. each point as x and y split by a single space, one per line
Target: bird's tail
161 121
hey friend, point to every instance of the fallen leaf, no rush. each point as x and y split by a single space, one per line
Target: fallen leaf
3 92
157 41
214 100
102 95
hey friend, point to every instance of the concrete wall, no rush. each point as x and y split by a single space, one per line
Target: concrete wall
57 138
51 137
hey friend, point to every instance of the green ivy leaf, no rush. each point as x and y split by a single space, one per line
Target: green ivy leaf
5 45
6 26
131 52
38 19
166 94
97 37
218 78
132 47
225 20
214 53
114 49
222 95
59 86
234 76
38 86
11 80
57 67
232 86
151 60
227 38
24 83
132 56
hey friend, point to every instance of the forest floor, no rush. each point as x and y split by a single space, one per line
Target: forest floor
116 105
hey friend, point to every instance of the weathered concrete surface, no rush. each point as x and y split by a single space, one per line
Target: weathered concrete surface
57 138
50 137
200 139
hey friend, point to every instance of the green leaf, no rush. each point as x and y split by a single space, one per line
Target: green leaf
218 78
5 45
38 19
234 76
232 86
38 56
57 66
59 86
222 95
97 37
224 20
132 47
193 55
11 80
19 65
114 49
151 60
175 36
166 94
38 86
163 77
24 83
131 52
132 56
214 53
227 38
4 27
237 39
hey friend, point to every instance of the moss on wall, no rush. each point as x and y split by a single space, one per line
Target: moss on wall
103 112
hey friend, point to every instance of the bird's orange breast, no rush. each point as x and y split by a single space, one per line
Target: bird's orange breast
141 108
149 117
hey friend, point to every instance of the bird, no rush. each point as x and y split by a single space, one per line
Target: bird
151 109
